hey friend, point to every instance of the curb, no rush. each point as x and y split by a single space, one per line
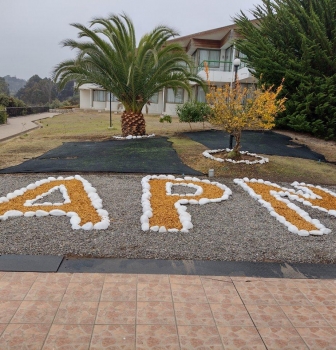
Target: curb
59 264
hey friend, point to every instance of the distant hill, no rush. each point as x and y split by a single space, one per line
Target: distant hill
15 84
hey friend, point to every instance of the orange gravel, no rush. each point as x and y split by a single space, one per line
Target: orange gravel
80 202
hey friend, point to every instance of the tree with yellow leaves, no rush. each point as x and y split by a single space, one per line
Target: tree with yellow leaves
238 108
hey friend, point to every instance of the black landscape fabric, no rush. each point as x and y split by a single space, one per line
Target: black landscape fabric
149 156
261 142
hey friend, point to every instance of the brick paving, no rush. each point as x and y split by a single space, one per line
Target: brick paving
128 311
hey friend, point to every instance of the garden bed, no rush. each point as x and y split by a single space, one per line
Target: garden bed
237 229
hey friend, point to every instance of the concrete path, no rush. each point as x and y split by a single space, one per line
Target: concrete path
130 311
19 125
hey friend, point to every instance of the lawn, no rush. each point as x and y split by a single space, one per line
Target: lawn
93 126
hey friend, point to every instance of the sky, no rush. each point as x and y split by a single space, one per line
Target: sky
31 31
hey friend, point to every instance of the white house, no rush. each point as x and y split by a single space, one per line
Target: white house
212 46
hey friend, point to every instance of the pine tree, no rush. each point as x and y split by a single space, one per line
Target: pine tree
295 40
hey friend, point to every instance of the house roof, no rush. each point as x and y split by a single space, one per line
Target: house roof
213 38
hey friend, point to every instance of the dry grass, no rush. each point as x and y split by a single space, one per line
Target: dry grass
93 126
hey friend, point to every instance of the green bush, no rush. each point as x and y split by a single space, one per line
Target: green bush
165 118
9 101
193 112
3 115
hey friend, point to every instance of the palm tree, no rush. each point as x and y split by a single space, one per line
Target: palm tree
112 60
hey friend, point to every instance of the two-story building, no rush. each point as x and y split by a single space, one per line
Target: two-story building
216 47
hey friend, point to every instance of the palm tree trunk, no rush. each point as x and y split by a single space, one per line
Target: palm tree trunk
133 124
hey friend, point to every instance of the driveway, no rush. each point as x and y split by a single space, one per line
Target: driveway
18 125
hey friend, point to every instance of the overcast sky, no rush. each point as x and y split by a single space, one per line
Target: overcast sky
31 30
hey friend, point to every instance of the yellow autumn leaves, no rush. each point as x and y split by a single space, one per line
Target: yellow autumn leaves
238 108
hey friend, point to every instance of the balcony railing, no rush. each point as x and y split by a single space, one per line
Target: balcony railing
223 66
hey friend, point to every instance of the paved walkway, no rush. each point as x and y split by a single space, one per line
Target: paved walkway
125 311
19 125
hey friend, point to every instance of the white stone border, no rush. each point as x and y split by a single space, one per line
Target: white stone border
74 218
208 153
169 186
131 137
185 218
63 190
290 193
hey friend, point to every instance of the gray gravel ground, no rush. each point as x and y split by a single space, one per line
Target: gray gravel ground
238 229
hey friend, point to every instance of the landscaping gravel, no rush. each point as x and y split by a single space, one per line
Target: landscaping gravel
239 229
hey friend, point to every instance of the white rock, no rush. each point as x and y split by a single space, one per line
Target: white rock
316 232
326 231
154 228
14 213
162 229
203 201
75 220
293 229
145 227
40 213
148 213
103 225
144 219
57 212
29 214
87 226
18 192
187 225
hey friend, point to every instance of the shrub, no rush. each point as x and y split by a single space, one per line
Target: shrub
193 112
9 101
165 118
3 115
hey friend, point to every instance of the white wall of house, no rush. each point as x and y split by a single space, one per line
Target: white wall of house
114 106
98 105
170 108
84 99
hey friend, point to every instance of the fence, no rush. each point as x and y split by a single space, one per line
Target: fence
20 111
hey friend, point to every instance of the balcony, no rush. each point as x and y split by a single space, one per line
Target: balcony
222 66
222 72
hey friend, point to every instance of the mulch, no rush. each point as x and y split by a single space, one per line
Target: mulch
145 156
260 142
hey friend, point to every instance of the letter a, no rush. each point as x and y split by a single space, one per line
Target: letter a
164 211
81 202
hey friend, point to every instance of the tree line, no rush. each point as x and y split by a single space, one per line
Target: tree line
36 92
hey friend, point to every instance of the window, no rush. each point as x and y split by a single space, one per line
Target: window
200 95
99 95
228 58
154 98
113 97
210 55
175 98
242 56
